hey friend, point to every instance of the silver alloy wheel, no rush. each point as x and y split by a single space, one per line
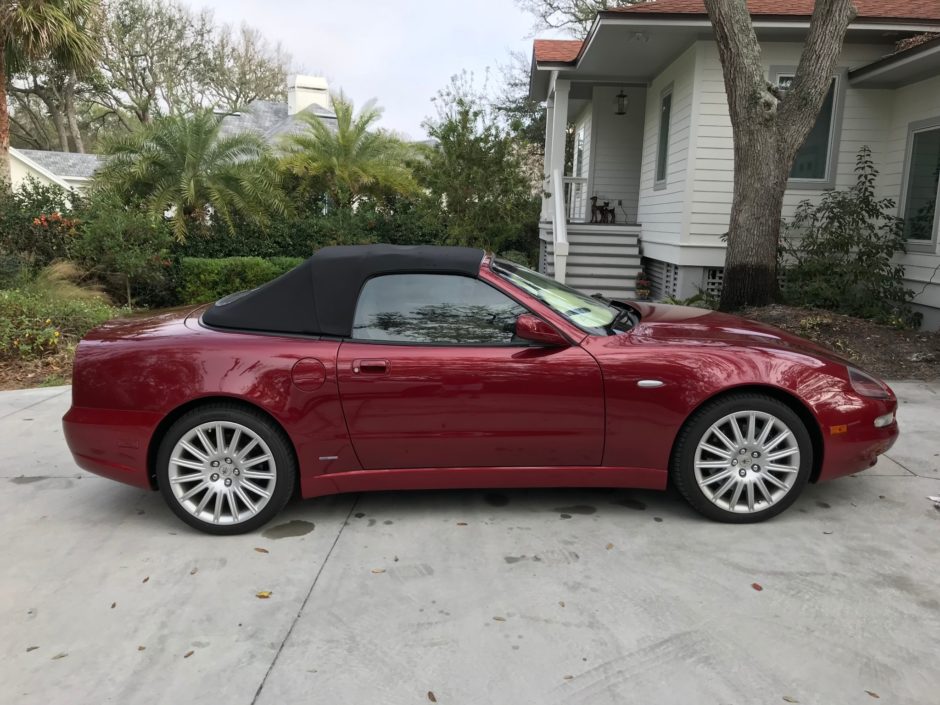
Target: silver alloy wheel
222 472
747 461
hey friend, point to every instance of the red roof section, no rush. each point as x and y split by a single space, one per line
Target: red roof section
914 11
908 10
557 50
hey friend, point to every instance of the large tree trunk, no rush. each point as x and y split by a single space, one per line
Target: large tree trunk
5 177
769 129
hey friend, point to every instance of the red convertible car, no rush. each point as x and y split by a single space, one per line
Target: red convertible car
381 367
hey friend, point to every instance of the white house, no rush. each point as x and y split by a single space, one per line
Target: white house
645 93
66 169
268 119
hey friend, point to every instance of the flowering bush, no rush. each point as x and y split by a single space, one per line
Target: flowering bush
36 323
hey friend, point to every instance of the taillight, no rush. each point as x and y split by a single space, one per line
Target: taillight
868 386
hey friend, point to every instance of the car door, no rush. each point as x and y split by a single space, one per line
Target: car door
435 377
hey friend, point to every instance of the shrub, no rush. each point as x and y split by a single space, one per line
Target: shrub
204 279
37 223
128 251
48 315
838 255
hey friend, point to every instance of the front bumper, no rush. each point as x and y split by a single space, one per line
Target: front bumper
111 443
854 443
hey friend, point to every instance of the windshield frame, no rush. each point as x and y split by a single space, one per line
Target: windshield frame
622 313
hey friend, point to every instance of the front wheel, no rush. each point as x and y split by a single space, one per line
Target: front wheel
743 458
224 469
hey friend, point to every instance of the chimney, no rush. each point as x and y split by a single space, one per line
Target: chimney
304 91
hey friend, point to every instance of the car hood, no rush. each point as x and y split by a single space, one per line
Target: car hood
662 323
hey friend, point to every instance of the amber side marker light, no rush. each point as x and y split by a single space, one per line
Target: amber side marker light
836 430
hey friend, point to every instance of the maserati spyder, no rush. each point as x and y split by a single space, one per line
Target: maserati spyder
381 367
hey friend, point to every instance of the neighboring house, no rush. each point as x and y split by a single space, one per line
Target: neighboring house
662 154
272 120
66 169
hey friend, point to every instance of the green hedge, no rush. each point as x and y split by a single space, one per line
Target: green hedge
203 279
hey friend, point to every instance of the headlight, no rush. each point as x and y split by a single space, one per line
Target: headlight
868 386
885 420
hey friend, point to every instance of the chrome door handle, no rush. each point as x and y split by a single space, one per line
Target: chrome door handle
650 383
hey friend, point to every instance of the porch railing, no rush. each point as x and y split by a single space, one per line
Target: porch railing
576 198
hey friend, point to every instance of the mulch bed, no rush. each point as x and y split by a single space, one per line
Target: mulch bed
885 351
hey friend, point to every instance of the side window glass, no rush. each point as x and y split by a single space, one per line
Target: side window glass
434 309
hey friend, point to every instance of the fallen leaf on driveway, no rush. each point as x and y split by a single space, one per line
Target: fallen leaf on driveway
568 678
873 694
378 570
263 595
262 550
561 603
431 696
790 699
113 605
827 532
59 655
499 619
609 546
188 654
757 586
145 579
31 648
461 523
141 648
194 571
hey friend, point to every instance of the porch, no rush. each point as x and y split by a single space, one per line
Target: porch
590 237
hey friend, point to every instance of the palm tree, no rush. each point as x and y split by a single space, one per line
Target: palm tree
35 29
183 166
352 161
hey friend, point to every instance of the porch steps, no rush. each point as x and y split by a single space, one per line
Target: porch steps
602 259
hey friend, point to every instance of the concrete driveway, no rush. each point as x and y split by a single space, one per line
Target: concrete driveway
522 597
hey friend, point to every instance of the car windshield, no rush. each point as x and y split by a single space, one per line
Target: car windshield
592 314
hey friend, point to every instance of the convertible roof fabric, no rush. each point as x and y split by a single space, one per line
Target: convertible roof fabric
318 297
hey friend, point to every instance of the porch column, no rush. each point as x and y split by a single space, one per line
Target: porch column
547 164
559 127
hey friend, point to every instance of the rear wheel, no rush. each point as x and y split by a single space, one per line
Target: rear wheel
225 469
743 458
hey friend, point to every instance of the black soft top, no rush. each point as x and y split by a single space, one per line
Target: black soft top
318 296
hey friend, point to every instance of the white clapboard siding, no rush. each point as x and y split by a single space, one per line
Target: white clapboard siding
618 150
662 210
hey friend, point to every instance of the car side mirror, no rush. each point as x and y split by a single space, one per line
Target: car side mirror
535 330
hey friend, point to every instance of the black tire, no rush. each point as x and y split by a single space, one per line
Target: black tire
682 470
281 451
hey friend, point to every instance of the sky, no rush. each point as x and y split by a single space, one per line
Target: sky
400 52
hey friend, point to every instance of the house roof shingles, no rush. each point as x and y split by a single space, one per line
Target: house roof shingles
904 10
557 50
269 120
67 165
565 51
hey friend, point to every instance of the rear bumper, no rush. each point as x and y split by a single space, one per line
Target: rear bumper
855 445
111 443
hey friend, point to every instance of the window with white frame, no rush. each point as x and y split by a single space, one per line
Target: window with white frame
662 149
815 163
922 183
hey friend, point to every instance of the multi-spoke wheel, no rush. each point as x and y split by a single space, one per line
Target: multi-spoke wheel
225 469
743 458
